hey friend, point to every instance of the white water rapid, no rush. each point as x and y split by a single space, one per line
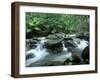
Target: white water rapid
82 44
39 52
64 48
41 56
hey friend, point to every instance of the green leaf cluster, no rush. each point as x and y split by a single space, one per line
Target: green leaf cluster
52 22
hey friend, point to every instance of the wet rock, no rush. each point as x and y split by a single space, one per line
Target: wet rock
53 36
84 36
68 38
76 40
31 41
85 54
51 42
54 45
60 35
70 43
29 35
55 48
30 44
56 35
73 60
54 63
70 49
35 38
76 59
28 56
68 61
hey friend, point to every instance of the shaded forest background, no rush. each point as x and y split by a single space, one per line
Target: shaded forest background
43 24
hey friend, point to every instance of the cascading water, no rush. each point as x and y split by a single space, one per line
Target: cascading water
41 56
39 52
82 44
64 48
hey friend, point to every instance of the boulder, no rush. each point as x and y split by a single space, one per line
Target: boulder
70 43
50 42
84 36
28 56
85 54
31 41
76 59
52 36
54 45
69 36
68 61
76 40
56 35
54 63
30 44
73 60
55 48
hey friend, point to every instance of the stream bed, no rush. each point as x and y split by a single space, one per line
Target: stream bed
43 55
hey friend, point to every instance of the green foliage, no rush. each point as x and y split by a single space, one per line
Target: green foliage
51 23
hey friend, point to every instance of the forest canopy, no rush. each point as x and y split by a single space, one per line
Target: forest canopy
47 23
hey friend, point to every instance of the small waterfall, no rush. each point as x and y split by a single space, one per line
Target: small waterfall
40 44
64 48
39 52
83 44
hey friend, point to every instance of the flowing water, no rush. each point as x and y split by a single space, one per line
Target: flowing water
39 52
64 48
41 56
82 44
